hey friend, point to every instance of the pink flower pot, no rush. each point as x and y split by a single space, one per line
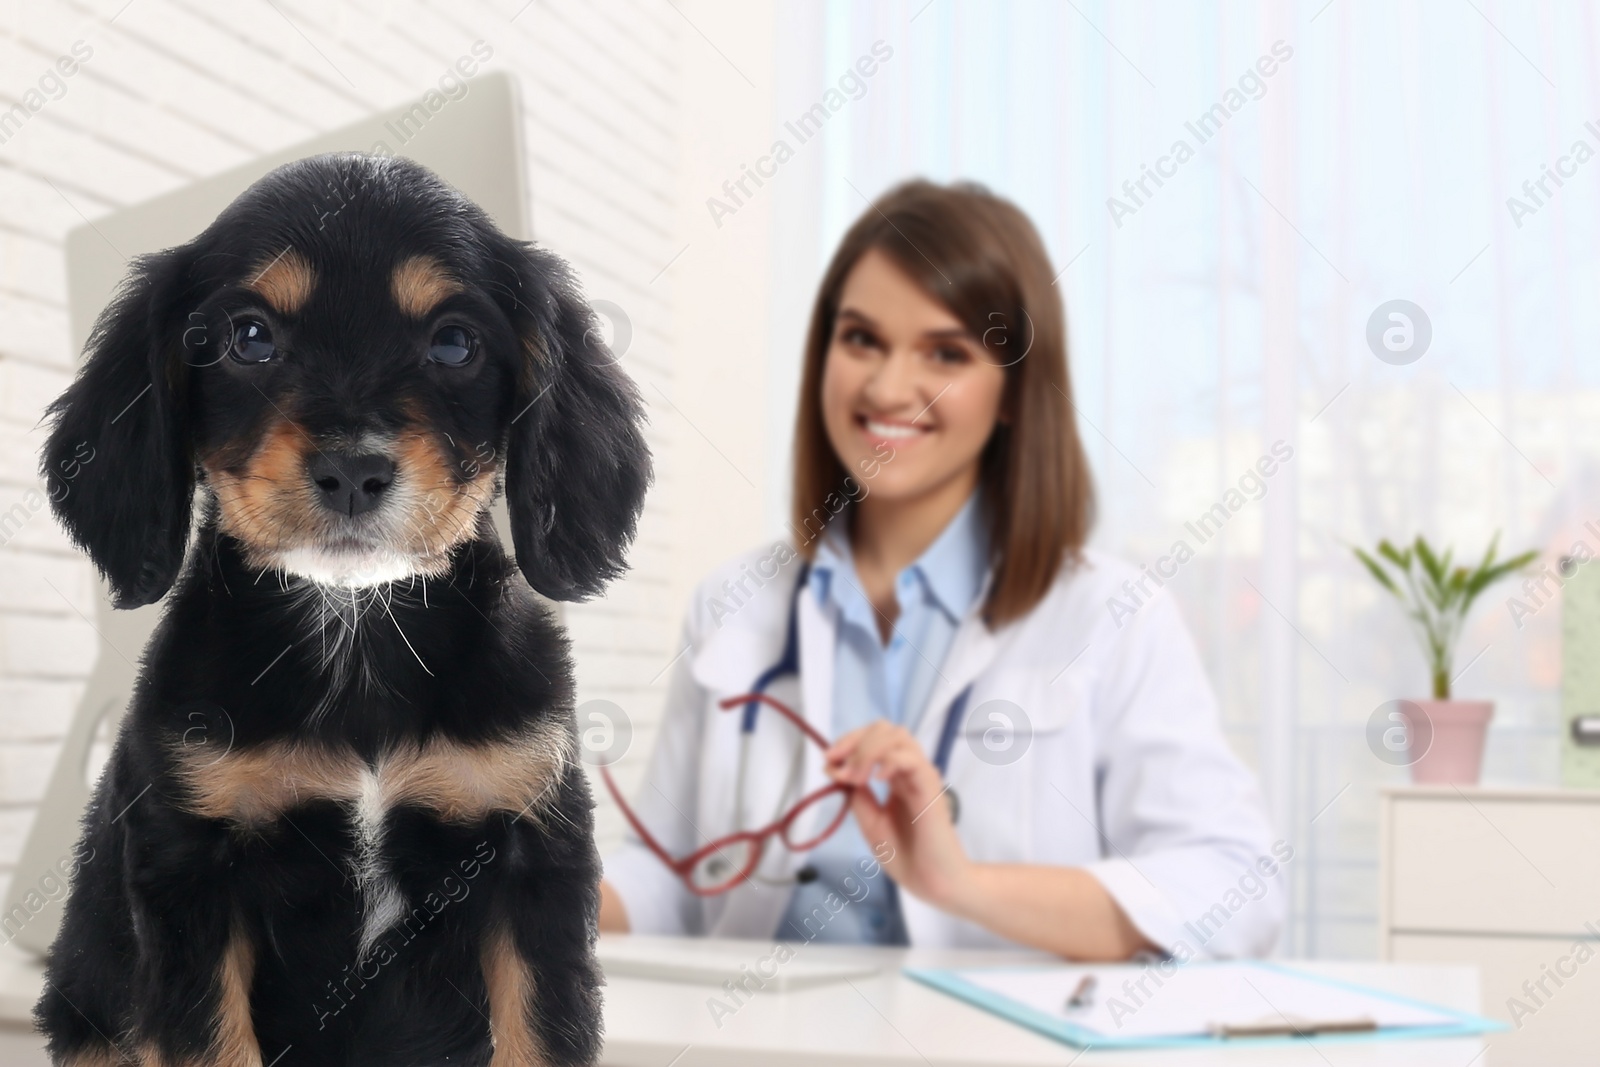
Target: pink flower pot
1446 739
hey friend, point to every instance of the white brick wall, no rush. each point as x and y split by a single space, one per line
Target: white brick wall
180 89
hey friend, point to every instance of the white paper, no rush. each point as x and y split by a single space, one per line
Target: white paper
1192 1001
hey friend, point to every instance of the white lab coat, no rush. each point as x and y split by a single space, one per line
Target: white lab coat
1126 774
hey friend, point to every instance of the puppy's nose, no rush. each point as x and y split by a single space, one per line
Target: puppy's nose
350 484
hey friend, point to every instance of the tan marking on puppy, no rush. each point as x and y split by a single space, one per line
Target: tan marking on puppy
254 786
459 783
419 284
510 986
264 501
267 503
285 282
441 511
464 783
235 1042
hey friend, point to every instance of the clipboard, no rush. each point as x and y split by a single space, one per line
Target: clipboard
1197 1004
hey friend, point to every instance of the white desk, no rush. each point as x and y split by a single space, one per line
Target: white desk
886 1021
892 1021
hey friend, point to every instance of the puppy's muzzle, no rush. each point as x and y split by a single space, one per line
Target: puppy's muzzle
350 483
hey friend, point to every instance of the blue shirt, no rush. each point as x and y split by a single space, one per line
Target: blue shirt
874 679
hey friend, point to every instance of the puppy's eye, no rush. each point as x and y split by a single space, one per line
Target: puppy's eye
252 343
452 346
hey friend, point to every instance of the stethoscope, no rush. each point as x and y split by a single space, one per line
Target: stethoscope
789 663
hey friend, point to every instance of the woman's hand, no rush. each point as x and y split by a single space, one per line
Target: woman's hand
613 913
1064 910
925 856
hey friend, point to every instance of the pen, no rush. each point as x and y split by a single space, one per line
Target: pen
1082 996
1291 1029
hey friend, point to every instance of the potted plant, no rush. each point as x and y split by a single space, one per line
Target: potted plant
1445 736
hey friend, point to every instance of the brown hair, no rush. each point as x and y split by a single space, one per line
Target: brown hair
981 258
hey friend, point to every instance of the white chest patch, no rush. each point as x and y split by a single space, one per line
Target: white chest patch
382 902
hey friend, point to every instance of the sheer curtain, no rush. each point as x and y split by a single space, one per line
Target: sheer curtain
1340 155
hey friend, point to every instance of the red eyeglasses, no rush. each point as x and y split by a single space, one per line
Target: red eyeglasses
727 861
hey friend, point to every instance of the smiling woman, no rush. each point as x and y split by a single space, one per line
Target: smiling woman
982 374
1025 771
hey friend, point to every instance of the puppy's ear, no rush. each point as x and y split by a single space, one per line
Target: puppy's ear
117 463
577 465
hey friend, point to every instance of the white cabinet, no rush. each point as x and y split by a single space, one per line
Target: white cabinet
1508 879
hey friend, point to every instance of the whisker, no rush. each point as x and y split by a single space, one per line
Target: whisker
407 640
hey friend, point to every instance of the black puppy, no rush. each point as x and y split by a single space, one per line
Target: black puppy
344 822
